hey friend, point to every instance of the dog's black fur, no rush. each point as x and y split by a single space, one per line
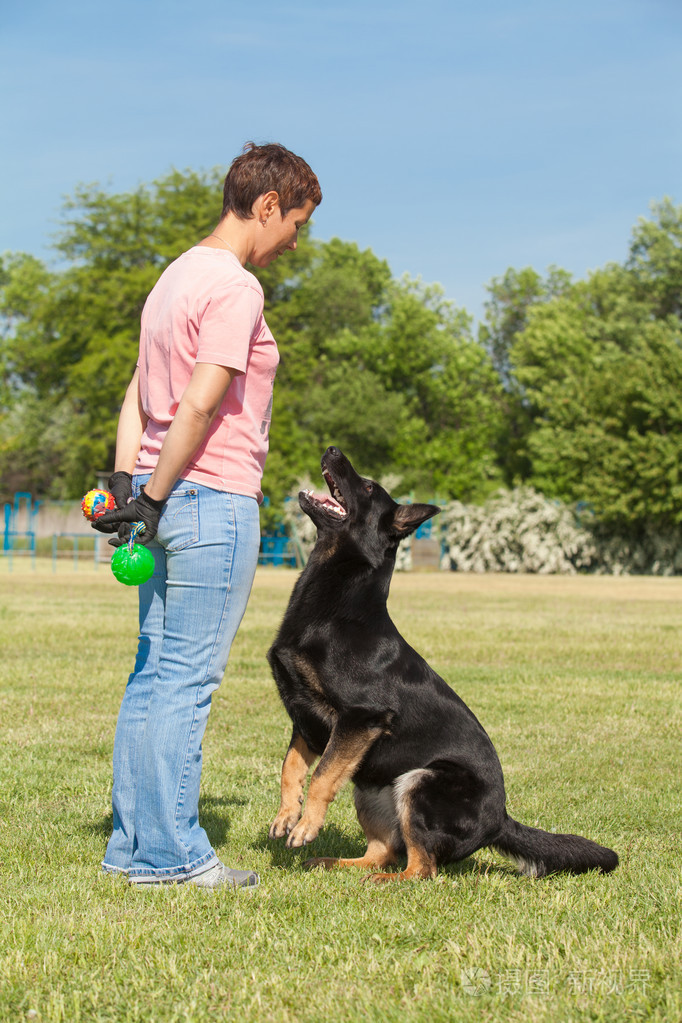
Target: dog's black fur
428 781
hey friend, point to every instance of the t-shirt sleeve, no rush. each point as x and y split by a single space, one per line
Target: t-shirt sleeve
227 326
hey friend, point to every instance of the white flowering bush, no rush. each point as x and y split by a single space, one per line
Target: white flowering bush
516 531
300 526
654 552
403 558
521 530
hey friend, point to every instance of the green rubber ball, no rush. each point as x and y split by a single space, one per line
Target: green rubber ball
132 567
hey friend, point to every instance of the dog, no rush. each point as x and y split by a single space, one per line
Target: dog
428 782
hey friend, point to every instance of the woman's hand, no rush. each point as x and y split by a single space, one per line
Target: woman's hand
144 509
120 484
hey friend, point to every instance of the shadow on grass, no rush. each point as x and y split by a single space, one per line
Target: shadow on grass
212 815
331 842
334 842
102 827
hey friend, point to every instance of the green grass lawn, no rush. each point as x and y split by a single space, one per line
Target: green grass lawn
577 680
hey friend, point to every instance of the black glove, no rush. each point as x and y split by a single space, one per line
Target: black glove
120 485
144 509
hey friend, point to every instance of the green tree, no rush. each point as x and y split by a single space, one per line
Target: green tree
70 336
316 313
388 371
512 297
655 260
426 352
30 425
602 370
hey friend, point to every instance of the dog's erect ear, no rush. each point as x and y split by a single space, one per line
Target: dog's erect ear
409 517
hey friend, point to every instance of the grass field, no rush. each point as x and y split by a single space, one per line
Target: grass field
577 680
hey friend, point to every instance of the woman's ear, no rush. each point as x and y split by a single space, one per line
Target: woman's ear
265 205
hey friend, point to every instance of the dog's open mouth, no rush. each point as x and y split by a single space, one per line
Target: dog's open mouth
333 501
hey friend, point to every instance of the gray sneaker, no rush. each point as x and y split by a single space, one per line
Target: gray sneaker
221 876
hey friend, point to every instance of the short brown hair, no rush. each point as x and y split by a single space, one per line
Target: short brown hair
268 168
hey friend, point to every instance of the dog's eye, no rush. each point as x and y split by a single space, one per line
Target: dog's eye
369 487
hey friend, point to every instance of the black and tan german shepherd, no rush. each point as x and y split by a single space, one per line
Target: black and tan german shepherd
428 782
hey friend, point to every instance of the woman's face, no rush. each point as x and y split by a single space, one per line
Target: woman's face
279 234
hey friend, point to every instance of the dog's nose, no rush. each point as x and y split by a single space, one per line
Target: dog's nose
332 451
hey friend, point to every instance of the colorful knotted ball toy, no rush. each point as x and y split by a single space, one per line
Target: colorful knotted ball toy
96 503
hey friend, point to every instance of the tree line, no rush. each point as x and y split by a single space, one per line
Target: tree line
572 387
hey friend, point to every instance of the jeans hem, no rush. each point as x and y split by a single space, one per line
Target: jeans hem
107 868
150 875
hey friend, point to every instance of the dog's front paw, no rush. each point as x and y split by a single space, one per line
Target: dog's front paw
304 832
283 824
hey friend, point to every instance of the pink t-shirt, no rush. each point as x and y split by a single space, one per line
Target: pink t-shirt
206 307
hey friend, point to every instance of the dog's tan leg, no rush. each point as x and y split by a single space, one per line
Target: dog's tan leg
297 763
338 763
420 863
378 854
377 816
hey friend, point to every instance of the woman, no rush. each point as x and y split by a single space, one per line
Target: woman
190 449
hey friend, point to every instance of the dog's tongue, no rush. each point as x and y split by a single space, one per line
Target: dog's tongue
327 501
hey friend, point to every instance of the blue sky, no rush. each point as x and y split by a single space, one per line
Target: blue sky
453 138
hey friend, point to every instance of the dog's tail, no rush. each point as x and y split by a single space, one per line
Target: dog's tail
538 853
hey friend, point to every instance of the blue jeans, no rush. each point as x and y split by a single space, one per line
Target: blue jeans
205 554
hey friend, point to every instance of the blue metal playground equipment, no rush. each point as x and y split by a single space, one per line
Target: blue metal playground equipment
277 549
18 541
